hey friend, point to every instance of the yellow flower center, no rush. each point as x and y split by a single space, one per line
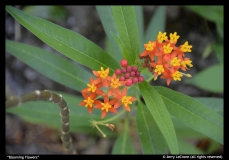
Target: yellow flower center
173 37
185 47
106 106
161 37
126 100
175 61
102 73
91 87
176 76
149 46
89 102
159 69
167 49
115 83
187 63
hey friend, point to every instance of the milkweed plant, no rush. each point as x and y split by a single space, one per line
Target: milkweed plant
119 89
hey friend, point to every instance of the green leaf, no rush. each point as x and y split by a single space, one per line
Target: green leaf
220 30
121 47
106 17
187 148
184 131
50 65
160 114
123 144
218 48
47 113
210 79
157 23
108 47
126 25
215 104
140 23
193 113
211 13
151 138
65 41
51 13
207 51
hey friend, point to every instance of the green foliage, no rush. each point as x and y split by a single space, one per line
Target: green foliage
51 13
126 25
67 42
157 23
210 79
150 135
50 65
160 114
164 119
193 113
123 144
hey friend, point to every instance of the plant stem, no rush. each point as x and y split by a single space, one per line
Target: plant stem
112 118
55 98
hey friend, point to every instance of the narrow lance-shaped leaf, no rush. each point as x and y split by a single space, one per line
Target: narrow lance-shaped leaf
50 65
140 22
160 114
107 19
215 104
126 25
210 79
123 144
67 42
122 47
193 113
187 148
157 23
151 138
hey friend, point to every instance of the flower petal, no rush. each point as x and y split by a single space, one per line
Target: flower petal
104 113
89 109
117 105
82 103
106 83
95 73
127 108
113 110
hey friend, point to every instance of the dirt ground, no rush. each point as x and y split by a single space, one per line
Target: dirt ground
26 138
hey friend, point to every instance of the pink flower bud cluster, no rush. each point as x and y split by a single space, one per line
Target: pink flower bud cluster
130 74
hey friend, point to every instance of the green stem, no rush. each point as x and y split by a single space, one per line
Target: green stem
112 118
126 123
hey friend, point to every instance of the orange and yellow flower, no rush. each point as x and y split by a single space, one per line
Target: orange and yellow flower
106 107
102 75
115 84
94 88
169 58
122 99
89 101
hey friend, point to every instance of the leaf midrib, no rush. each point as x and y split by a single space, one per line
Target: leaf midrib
55 38
191 112
143 115
160 116
132 50
59 69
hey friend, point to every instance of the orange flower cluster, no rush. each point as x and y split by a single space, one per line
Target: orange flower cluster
114 97
165 59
